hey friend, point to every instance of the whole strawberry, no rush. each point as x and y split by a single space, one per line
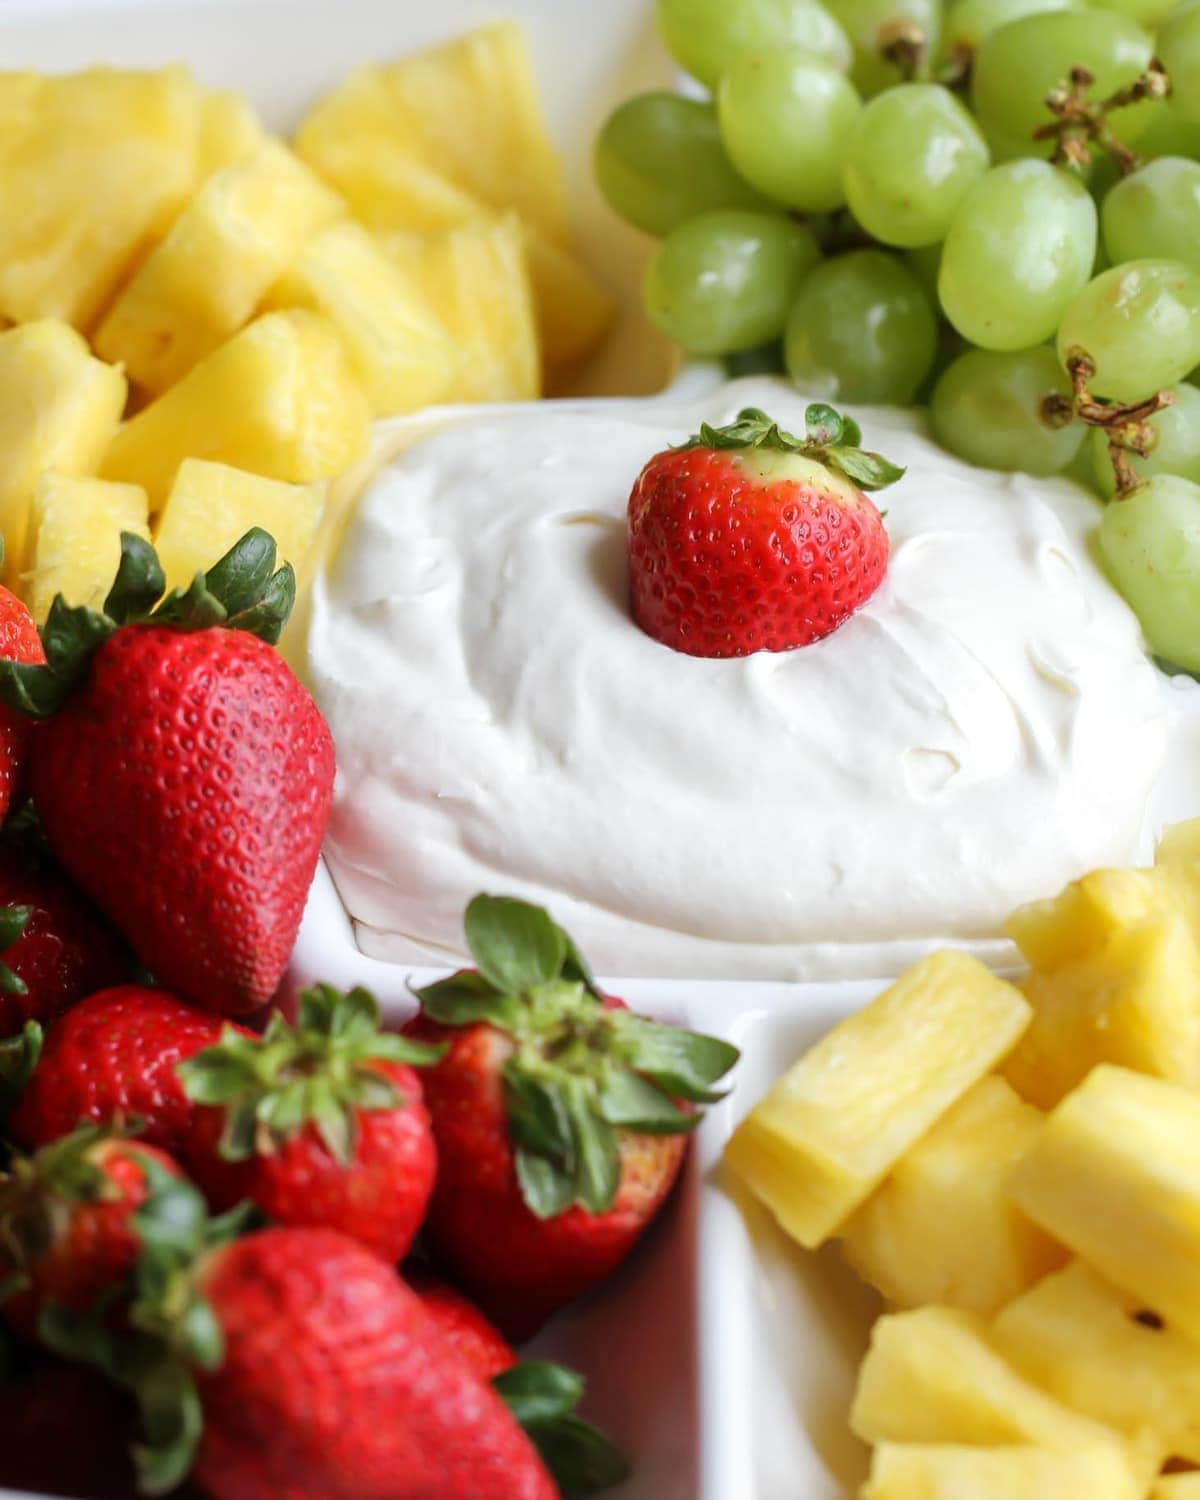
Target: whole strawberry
318 1123
465 1327
54 946
66 1221
555 1110
19 642
112 1060
182 774
749 539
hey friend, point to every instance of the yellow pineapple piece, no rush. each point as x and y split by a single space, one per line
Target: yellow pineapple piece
77 526
901 1471
398 347
59 409
1177 1487
1115 1174
1080 1338
1180 844
840 1119
478 279
227 131
99 165
237 236
278 399
942 1227
574 311
1083 917
212 505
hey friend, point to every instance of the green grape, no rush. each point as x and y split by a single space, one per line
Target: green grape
1167 132
1179 49
987 409
1176 451
969 21
925 262
724 281
910 157
1139 323
1019 63
1155 212
708 36
872 25
1021 245
659 162
784 118
1150 542
861 330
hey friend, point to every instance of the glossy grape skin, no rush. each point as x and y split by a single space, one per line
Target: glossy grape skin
1176 452
1021 245
986 409
925 262
870 24
1167 132
1179 50
911 155
1019 63
1150 542
659 162
784 117
1155 212
706 37
861 330
1140 323
725 281
969 21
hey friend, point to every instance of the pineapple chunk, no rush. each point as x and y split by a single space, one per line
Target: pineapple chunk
237 236
398 348
1135 1001
1081 920
942 1227
100 165
932 1376
478 279
77 524
837 1123
466 112
1079 1338
1115 1174
59 409
227 131
946 1472
278 399
1180 844
1177 1487
574 311
211 506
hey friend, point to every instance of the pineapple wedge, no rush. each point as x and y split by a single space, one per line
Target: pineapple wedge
1083 917
227 131
942 1228
1079 1337
211 506
77 524
947 1472
240 232
478 279
398 347
1115 1174
838 1122
278 399
1177 1487
1180 844
574 311
59 409
100 164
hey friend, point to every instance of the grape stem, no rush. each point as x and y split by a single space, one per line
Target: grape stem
904 44
1127 427
1081 124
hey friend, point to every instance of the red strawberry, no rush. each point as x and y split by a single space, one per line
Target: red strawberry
54 947
464 1327
112 1059
20 642
66 1236
749 539
182 774
320 1123
558 1131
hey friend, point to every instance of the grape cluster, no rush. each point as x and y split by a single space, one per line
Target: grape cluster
992 207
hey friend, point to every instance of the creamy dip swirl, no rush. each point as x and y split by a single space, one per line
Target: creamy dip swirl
985 728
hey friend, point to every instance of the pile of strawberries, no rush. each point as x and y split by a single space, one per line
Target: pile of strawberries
206 1201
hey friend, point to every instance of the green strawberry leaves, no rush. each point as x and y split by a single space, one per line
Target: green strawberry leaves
323 1071
243 590
581 1071
542 1397
13 920
831 438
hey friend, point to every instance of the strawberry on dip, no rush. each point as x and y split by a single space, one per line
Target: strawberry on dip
748 539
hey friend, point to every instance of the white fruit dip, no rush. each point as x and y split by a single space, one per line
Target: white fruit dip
986 728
